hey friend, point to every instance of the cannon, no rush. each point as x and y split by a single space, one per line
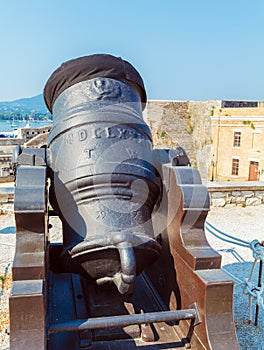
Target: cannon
134 268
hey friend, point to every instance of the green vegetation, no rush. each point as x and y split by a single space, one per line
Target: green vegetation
191 128
212 110
163 133
2 281
248 122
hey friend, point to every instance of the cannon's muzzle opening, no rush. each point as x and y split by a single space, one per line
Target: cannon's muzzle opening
103 179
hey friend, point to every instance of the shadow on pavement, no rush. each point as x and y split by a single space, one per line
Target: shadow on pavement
8 229
249 336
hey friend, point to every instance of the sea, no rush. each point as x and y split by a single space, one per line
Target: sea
10 125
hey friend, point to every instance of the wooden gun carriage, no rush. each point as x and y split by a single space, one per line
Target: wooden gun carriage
134 270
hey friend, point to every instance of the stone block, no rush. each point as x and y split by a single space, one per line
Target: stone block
259 194
253 201
218 202
239 200
236 193
218 195
247 194
228 200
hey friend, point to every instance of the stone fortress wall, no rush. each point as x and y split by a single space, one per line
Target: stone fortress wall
186 124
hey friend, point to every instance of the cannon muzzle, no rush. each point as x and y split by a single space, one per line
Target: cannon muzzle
104 185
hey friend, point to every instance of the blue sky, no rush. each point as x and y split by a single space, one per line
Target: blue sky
184 49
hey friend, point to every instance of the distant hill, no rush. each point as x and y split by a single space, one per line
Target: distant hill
29 105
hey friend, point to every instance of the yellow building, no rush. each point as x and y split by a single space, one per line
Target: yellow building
237 142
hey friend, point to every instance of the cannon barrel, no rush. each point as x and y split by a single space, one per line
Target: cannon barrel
99 173
104 185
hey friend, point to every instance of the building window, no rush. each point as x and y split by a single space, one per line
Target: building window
235 166
237 139
256 140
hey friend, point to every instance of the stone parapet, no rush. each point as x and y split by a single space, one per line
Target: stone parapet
243 193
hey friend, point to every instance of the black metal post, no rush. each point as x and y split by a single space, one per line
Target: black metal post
259 285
